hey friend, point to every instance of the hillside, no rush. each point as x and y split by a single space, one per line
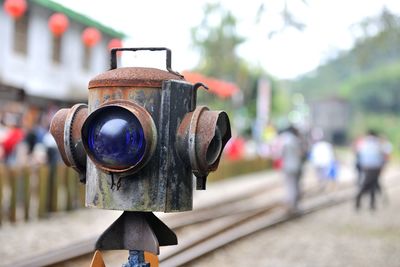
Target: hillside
368 75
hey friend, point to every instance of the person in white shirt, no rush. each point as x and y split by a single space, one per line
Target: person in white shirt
324 161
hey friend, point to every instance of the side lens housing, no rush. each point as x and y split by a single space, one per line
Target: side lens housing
201 138
66 128
119 137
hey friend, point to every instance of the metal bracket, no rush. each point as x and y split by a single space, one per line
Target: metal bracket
114 51
138 230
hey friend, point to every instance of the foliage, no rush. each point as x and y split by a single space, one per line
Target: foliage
289 20
376 91
217 40
367 74
387 125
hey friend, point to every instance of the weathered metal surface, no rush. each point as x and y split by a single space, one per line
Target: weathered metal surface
178 98
168 54
165 182
132 77
57 130
73 139
213 133
66 130
201 138
146 233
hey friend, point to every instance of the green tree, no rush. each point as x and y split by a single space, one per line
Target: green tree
289 20
368 75
216 39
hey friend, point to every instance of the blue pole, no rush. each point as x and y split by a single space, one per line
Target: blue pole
136 259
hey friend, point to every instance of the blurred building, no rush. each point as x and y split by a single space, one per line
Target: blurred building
37 67
332 115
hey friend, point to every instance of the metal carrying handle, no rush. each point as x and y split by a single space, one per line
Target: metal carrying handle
134 49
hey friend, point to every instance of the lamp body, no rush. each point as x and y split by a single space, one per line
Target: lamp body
165 183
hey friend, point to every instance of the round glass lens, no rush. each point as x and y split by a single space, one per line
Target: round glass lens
115 138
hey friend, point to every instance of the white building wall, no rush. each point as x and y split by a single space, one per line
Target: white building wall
41 75
5 28
14 66
36 73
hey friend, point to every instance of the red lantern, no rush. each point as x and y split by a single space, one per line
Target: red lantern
15 8
114 43
91 36
58 24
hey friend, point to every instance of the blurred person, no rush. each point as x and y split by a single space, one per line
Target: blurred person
3 135
372 157
323 158
235 148
30 140
51 149
387 150
292 157
276 151
12 137
29 151
36 148
268 137
357 165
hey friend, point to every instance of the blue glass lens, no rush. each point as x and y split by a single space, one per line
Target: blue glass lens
115 138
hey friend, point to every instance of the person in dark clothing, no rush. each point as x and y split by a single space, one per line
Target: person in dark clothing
371 158
30 140
368 185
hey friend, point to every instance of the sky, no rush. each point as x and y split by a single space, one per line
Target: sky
287 55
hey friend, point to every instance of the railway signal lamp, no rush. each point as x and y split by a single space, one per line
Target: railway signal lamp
137 143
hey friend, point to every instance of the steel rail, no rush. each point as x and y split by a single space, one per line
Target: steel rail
238 228
227 221
212 239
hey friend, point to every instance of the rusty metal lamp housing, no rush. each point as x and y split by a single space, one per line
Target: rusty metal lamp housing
66 128
137 144
201 137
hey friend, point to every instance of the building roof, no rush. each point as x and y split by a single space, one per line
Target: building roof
221 88
79 17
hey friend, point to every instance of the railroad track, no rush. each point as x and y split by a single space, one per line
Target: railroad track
236 226
218 224
206 212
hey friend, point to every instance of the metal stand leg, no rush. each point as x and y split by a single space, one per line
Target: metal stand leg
137 231
136 259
